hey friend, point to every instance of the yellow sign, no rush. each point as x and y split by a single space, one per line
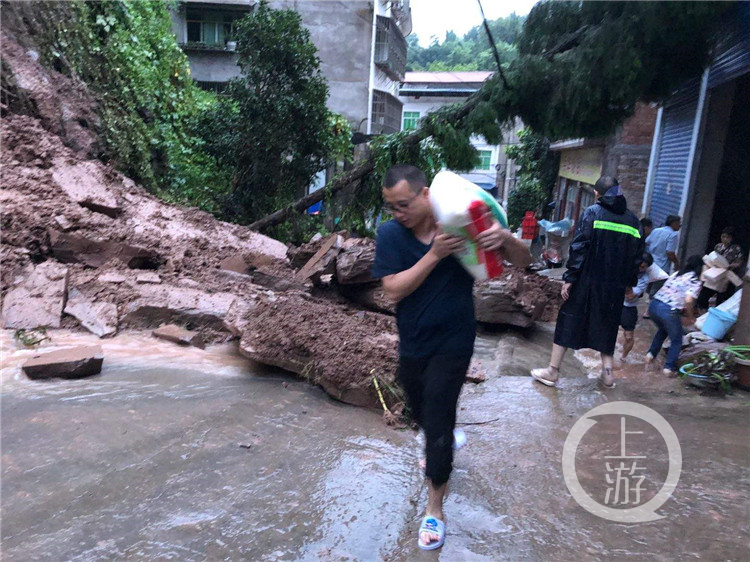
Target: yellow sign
583 165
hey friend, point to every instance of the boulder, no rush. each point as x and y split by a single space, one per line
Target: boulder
517 298
112 277
75 248
148 277
39 299
354 262
166 304
74 362
325 343
85 184
237 264
370 296
238 316
495 303
324 260
99 318
177 334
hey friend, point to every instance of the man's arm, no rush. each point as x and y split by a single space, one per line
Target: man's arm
579 249
400 285
498 238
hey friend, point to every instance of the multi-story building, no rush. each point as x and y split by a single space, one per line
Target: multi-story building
360 43
424 92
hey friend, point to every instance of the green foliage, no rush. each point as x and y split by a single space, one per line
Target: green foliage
615 54
281 134
126 53
358 210
536 176
471 52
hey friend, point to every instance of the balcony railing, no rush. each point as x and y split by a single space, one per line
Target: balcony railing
390 48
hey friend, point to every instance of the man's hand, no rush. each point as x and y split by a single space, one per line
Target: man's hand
629 294
443 245
494 237
565 292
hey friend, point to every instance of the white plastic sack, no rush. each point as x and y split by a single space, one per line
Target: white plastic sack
456 203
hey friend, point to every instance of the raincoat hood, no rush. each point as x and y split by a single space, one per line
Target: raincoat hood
614 200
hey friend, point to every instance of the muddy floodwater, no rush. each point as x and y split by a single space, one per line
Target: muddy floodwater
181 454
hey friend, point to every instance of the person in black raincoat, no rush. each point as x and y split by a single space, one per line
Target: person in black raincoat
604 259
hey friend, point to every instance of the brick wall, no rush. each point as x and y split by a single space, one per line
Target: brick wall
627 152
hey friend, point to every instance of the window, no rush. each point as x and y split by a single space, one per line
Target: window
386 113
485 159
411 118
210 27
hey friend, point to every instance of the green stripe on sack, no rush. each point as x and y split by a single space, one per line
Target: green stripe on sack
617 227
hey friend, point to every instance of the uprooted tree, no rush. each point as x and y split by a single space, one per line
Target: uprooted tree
582 67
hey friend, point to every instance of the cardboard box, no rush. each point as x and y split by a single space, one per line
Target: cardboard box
716 260
715 278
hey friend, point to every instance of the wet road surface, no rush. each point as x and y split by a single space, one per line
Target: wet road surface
182 454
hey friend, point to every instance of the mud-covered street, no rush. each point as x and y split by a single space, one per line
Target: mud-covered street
182 454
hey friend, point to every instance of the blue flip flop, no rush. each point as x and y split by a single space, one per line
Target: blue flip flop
431 525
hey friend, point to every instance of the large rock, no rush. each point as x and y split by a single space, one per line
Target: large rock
75 362
177 334
39 300
370 296
354 262
75 248
166 304
516 298
238 316
85 184
99 318
328 344
495 302
324 260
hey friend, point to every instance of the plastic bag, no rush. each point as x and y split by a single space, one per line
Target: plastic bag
465 209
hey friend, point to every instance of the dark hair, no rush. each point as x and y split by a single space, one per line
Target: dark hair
646 222
728 230
671 219
413 175
694 264
647 258
604 184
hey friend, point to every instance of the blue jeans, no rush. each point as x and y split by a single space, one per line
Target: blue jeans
669 324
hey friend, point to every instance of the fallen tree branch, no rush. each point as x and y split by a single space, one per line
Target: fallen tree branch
361 169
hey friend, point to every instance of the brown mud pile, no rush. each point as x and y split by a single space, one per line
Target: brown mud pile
338 347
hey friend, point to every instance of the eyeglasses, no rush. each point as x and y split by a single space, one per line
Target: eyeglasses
401 206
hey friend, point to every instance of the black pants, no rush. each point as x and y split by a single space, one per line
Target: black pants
432 387
706 294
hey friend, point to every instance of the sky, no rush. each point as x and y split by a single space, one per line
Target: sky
435 17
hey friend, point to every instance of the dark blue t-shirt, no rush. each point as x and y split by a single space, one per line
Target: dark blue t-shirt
438 317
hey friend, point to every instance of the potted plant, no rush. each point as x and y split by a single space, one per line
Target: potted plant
711 370
231 45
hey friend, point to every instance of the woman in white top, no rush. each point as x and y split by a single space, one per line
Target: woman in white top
679 292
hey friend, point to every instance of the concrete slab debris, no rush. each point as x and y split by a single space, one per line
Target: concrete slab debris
71 363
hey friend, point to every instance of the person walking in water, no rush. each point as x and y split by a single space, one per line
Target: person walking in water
435 319
605 256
